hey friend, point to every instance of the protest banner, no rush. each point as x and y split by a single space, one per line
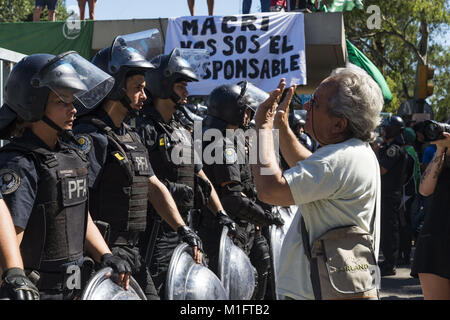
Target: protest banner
261 48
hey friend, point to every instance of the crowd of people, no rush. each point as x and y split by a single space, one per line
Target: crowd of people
265 6
40 5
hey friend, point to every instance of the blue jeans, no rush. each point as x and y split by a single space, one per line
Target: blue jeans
247 4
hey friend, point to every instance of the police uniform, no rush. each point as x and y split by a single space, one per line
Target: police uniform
235 167
118 182
163 141
54 219
392 157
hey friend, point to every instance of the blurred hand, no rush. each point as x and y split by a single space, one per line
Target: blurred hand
225 220
282 113
442 143
265 113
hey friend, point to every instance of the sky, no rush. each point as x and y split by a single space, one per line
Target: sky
149 9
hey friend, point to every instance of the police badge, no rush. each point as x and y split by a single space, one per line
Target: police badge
391 152
9 181
84 143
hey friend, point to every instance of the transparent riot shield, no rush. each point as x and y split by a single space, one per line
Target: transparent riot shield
235 269
102 287
188 280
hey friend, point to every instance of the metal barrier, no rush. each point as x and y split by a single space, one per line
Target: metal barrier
8 59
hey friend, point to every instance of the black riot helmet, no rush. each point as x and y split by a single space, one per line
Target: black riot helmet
71 77
169 69
128 55
393 126
297 118
230 101
119 61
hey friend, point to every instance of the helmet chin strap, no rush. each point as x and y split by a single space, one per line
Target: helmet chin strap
126 102
66 135
175 98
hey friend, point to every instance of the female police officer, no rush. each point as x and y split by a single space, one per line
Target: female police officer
43 179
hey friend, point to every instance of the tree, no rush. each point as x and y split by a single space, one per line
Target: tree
22 10
410 34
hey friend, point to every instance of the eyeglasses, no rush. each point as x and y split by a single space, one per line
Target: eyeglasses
312 101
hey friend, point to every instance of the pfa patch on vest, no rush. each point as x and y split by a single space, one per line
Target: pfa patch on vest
84 143
9 181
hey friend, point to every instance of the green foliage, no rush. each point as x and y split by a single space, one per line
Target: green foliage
22 10
412 32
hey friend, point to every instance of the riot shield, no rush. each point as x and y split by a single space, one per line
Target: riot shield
188 280
277 235
235 269
101 287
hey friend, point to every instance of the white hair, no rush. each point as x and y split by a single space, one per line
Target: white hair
359 99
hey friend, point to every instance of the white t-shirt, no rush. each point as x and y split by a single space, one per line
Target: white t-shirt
336 186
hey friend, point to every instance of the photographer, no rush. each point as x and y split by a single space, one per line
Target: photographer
432 256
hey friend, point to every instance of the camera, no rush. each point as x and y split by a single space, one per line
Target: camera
432 130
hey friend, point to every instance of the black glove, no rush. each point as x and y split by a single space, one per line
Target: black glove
243 208
274 217
181 193
190 237
18 285
118 264
224 220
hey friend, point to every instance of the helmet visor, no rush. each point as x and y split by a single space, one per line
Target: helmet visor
301 114
251 95
197 59
177 64
73 78
147 43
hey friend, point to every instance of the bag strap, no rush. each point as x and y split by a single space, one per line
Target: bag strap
314 270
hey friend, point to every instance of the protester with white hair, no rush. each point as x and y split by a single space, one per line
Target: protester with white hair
337 185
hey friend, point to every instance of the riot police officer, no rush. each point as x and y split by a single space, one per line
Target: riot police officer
44 179
297 120
232 107
393 160
171 154
121 177
15 284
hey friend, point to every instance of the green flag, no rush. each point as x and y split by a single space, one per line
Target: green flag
358 58
345 5
48 37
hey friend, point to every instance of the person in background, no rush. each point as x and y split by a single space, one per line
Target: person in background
247 4
39 5
91 5
393 161
409 195
191 5
432 256
278 5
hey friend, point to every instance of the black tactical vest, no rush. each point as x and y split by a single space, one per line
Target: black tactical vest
172 157
122 192
56 229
